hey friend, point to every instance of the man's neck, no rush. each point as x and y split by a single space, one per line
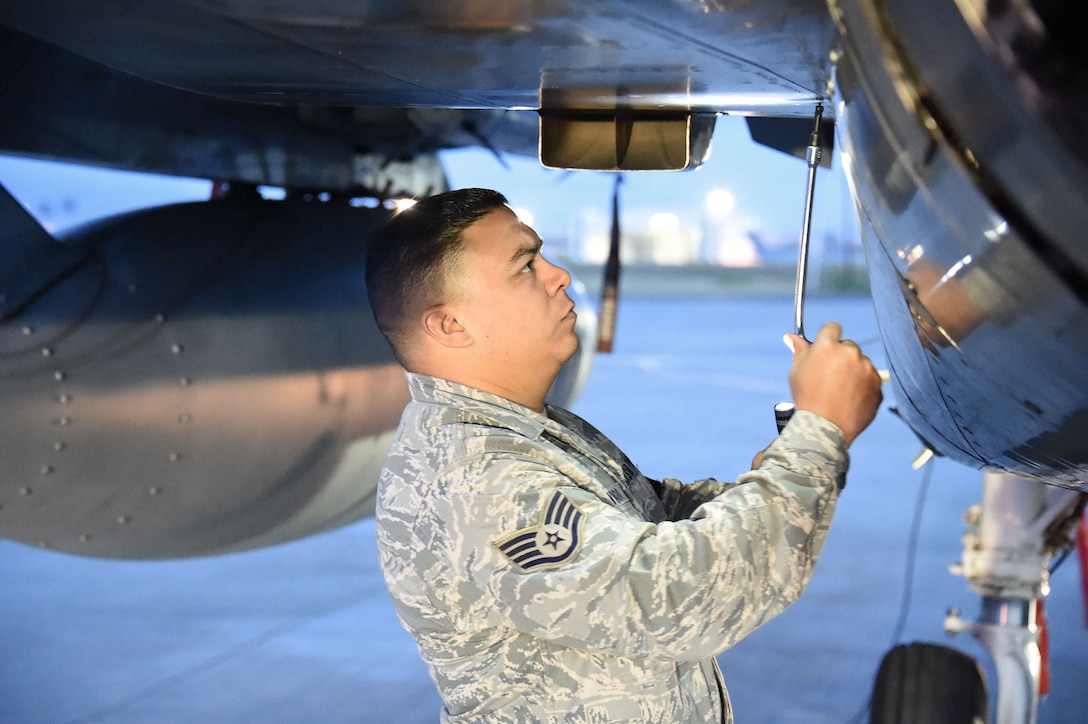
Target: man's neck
525 397
528 395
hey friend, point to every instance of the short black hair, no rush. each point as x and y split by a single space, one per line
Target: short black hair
410 256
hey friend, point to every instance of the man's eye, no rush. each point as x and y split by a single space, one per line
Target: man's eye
528 265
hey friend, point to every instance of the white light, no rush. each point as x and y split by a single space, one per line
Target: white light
720 203
524 215
664 223
955 269
998 232
400 205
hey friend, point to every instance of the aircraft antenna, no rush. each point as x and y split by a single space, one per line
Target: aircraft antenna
610 289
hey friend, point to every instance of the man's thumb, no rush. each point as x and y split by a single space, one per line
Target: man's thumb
794 342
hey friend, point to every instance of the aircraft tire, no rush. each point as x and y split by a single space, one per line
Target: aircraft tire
924 683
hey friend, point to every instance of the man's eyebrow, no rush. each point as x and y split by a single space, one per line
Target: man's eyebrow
524 251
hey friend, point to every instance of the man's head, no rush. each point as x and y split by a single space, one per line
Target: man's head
413 257
460 289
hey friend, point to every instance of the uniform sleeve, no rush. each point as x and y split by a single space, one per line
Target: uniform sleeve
681 499
560 564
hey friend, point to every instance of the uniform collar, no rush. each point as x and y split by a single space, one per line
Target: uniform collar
453 403
463 404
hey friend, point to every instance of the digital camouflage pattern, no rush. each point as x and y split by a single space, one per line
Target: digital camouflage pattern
545 579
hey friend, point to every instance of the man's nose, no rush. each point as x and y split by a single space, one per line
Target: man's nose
559 278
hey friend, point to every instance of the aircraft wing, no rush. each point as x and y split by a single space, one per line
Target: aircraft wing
206 336
286 94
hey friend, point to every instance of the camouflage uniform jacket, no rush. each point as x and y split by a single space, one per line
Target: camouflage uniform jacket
543 580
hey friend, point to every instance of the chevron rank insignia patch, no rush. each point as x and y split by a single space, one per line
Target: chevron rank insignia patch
548 544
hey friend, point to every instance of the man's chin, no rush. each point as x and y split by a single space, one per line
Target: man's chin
566 355
577 343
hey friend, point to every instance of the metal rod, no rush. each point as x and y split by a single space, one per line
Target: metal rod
783 411
813 159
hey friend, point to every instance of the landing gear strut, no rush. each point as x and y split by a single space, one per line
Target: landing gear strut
1011 538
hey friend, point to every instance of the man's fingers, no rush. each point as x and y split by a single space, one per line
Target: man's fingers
850 343
833 377
830 332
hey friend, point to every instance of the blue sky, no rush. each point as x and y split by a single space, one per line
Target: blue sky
767 187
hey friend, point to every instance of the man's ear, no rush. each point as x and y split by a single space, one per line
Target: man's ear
443 327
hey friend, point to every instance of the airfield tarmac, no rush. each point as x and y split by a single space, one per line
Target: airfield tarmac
304 632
